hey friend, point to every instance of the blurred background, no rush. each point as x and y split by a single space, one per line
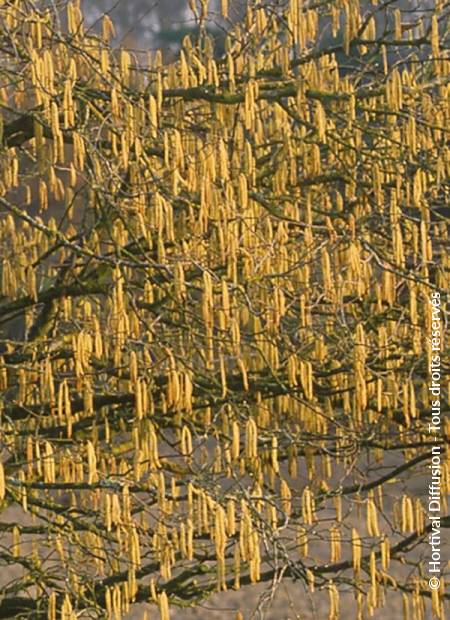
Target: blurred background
159 24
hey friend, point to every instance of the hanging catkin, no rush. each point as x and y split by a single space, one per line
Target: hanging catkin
163 606
356 551
2 482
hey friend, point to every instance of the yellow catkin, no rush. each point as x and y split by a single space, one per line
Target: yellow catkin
223 375
231 517
91 462
43 195
235 441
23 491
108 29
307 506
385 553
302 540
243 369
220 544
286 497
51 606
49 463
190 539
237 566
311 580
2 482
224 8
133 367
153 591
186 441
338 507
356 551
163 606
107 509
436 604
435 36
334 602
397 24
15 549
406 607
372 518
335 554
251 440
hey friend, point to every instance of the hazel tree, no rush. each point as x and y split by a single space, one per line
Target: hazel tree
215 309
